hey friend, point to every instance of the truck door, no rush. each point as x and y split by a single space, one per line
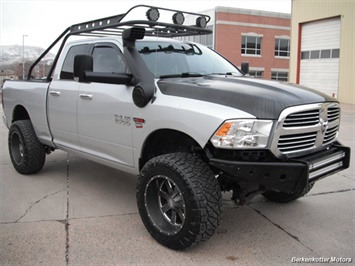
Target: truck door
105 111
62 102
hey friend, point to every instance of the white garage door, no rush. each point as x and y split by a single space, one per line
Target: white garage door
320 43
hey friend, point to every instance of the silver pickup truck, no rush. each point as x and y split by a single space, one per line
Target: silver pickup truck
177 114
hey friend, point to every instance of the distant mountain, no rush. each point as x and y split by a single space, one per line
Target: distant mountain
11 54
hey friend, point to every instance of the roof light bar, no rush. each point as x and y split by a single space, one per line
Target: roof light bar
116 25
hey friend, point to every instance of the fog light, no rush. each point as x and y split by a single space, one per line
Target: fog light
178 18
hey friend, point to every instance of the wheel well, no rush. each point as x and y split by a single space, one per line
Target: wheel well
166 141
19 113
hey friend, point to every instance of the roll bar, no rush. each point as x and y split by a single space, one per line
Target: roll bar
115 26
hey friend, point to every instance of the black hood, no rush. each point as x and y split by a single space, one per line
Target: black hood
264 99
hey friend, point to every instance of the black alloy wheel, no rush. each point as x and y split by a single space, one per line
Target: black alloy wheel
179 200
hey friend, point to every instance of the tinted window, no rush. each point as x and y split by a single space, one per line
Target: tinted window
108 60
165 58
68 65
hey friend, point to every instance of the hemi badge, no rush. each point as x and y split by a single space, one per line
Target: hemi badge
139 122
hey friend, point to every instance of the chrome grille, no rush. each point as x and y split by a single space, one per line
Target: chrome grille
333 114
330 135
307 128
306 118
290 143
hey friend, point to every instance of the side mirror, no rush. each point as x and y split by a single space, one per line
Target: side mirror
245 68
83 72
82 63
109 78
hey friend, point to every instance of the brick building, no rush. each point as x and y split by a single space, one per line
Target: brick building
259 37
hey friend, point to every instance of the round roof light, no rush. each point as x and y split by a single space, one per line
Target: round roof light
178 18
201 22
153 14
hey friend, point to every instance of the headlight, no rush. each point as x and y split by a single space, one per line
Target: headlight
234 134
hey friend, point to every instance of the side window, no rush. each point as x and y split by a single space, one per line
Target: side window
108 60
68 65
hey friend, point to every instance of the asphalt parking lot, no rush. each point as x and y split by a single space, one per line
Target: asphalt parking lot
76 212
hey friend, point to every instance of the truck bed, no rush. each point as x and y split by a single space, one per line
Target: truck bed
30 96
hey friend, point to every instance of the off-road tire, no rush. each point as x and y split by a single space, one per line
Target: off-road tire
282 197
194 193
26 152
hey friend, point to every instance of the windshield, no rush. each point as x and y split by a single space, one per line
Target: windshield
169 59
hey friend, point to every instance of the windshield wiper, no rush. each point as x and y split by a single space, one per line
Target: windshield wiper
182 75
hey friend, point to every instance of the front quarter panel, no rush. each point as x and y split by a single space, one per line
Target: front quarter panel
197 119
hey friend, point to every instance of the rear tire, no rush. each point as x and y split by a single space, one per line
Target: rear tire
282 197
179 200
26 152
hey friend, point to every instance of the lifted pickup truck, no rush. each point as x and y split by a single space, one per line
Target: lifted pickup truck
177 114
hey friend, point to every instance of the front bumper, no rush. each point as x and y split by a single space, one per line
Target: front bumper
287 176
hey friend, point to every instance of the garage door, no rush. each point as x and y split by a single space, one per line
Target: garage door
320 43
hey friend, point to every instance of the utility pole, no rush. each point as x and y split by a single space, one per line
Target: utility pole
23 55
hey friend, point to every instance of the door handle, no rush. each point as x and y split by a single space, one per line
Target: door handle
54 93
86 96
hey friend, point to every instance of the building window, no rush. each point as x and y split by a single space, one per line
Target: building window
320 54
335 53
282 76
305 55
325 53
256 73
315 54
251 45
282 47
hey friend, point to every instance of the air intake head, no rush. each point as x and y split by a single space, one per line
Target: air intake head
132 34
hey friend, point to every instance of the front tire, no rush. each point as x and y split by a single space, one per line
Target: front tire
179 200
26 152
